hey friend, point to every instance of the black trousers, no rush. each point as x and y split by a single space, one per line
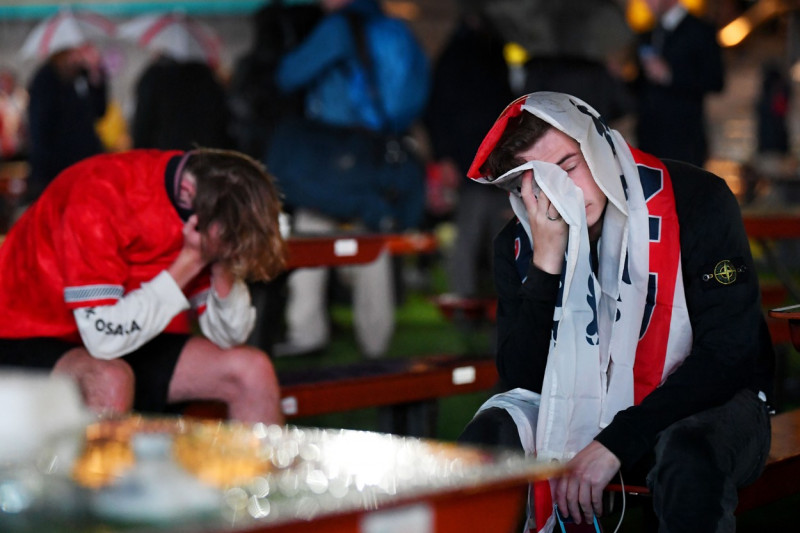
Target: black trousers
696 468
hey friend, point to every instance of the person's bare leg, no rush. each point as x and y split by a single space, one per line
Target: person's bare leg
107 386
242 377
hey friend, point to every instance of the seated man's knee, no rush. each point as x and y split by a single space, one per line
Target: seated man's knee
492 427
107 385
685 444
250 369
683 456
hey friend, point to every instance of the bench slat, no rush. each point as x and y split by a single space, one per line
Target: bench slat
376 383
391 382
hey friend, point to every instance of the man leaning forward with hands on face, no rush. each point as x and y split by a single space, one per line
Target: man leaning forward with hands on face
103 273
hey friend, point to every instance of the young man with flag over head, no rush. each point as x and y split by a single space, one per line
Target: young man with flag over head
630 333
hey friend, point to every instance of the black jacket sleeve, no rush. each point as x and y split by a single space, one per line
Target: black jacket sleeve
524 316
725 315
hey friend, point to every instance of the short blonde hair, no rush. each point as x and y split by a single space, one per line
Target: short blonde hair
238 195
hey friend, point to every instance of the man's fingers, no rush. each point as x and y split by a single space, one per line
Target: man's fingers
585 499
597 500
526 192
573 503
561 495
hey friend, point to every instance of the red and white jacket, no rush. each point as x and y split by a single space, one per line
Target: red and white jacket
87 262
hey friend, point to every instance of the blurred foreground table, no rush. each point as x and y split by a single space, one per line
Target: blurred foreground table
281 479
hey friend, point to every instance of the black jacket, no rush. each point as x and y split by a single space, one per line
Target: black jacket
731 348
61 118
180 106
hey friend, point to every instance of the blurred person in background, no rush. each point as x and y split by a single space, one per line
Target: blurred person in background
180 101
470 88
680 64
256 102
68 94
350 110
772 110
180 104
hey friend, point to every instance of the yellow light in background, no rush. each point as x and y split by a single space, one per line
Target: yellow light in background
763 10
735 32
641 19
515 54
695 7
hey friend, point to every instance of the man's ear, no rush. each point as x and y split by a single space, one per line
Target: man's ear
187 190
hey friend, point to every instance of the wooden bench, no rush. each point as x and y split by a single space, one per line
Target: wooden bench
472 309
767 227
354 248
405 390
781 476
774 295
485 309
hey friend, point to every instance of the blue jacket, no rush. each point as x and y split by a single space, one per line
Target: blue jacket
327 63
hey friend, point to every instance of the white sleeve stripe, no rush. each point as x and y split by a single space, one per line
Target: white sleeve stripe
88 293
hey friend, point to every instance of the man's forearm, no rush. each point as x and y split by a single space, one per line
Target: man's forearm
111 331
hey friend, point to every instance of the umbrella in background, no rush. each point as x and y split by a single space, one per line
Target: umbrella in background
175 35
66 29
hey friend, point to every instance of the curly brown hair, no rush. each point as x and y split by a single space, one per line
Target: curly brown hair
238 195
521 132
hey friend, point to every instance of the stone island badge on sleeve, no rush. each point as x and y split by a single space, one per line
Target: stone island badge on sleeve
723 273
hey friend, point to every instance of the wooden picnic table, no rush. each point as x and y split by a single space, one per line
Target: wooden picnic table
349 249
768 226
791 314
317 251
771 225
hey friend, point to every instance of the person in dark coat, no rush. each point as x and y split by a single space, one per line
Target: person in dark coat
772 110
681 62
68 94
180 105
470 88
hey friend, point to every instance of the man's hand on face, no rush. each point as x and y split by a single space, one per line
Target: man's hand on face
222 279
548 229
212 243
580 490
192 238
190 260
